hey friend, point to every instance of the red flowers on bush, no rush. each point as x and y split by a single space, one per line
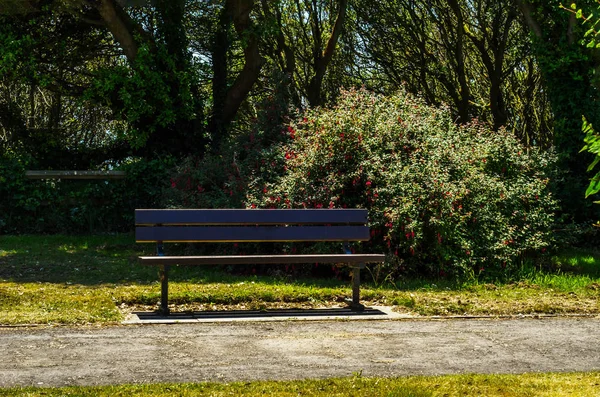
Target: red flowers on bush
439 193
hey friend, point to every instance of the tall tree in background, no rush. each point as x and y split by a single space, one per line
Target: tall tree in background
568 70
44 73
304 40
228 98
473 55
322 55
146 72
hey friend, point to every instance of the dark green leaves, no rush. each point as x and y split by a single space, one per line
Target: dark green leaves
592 145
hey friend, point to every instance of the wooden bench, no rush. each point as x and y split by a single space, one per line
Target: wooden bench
75 174
253 225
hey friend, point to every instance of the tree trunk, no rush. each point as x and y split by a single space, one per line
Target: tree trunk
228 101
240 89
322 60
220 47
464 93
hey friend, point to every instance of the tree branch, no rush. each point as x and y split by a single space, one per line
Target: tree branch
323 60
120 26
527 13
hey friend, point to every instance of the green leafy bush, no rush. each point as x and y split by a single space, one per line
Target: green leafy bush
146 180
443 199
77 206
14 199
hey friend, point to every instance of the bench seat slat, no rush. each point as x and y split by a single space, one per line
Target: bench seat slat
260 259
249 217
251 234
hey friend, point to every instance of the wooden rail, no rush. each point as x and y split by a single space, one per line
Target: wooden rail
75 174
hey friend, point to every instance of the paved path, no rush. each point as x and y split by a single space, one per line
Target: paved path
294 350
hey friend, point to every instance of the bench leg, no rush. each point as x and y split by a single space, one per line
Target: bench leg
163 273
356 305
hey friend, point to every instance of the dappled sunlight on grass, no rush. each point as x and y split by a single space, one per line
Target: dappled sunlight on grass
578 261
4 253
71 249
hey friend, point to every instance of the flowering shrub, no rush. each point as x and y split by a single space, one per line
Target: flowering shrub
442 199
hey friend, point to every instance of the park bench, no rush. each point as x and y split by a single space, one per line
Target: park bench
75 174
161 226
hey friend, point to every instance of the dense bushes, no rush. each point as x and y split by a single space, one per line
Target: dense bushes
442 199
77 206
13 194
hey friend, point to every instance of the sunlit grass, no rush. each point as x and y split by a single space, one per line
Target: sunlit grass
96 279
543 385
48 303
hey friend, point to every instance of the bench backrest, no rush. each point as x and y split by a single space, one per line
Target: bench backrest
256 225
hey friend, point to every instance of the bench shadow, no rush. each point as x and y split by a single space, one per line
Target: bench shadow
342 312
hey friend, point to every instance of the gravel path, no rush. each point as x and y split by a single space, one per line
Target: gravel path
294 350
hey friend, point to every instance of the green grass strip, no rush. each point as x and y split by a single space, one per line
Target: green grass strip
543 385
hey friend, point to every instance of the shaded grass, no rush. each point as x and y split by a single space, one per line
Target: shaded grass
96 279
546 385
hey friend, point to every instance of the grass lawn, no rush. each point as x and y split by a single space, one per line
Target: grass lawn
96 279
547 385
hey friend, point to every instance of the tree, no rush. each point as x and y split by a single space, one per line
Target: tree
592 137
568 72
473 55
303 39
228 100
146 72
43 76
